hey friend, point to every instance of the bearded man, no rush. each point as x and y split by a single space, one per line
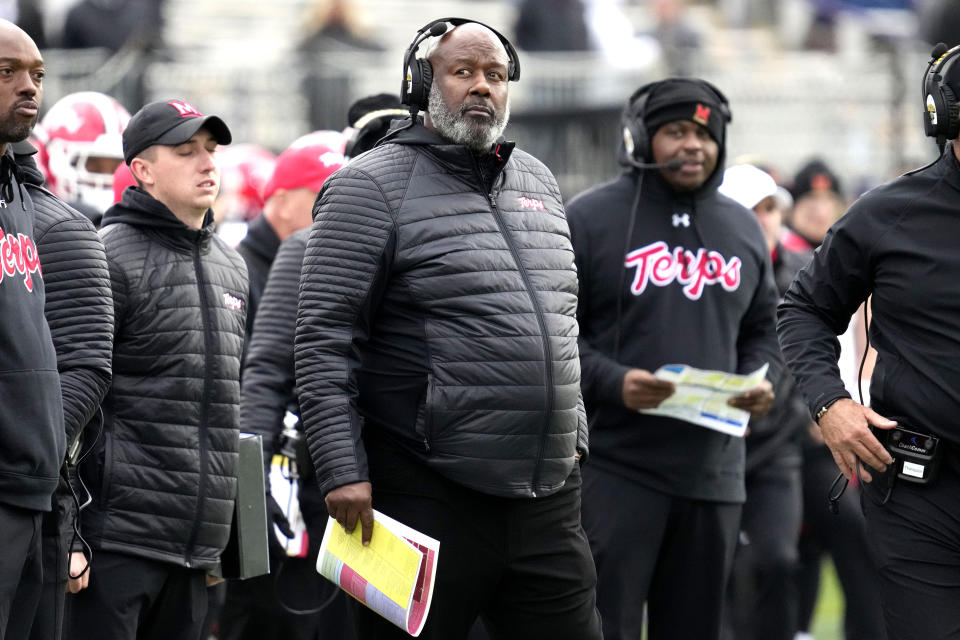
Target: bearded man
437 362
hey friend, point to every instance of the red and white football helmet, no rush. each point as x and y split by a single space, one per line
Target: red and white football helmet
82 128
244 170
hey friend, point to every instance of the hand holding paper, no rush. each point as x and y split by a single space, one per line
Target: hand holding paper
643 390
351 502
756 401
703 397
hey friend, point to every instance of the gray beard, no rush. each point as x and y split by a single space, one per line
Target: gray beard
460 129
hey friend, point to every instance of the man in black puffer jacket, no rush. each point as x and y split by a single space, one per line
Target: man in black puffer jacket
437 358
164 477
79 310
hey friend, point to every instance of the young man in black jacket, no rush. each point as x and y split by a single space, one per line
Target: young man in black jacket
670 273
163 477
32 441
896 245
437 365
79 310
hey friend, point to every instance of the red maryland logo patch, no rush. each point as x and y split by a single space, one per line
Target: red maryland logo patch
702 114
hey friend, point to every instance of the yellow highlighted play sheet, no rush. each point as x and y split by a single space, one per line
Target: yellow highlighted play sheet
390 563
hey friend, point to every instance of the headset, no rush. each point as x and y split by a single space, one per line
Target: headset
369 129
418 72
941 119
636 138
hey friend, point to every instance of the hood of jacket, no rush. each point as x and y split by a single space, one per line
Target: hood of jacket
139 209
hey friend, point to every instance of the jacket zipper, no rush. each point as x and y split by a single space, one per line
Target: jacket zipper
207 369
547 352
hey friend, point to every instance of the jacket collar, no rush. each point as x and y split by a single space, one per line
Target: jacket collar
139 209
457 158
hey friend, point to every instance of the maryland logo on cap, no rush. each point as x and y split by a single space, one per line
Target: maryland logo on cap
185 109
701 115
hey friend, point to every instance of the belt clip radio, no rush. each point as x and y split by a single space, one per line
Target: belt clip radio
916 456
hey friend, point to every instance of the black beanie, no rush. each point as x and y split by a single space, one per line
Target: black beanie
684 99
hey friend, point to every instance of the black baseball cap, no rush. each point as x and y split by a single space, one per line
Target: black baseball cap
168 122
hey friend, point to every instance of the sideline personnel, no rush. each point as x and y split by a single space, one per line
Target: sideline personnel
32 440
436 353
670 273
163 476
896 245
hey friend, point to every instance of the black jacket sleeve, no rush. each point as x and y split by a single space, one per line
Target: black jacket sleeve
78 307
601 376
345 268
818 305
268 374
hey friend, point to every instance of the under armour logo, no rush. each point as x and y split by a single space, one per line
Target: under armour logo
681 219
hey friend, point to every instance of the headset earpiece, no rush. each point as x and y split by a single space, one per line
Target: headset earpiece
941 110
418 72
636 140
421 77
951 108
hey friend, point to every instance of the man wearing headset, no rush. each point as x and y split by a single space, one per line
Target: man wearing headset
896 245
670 272
436 354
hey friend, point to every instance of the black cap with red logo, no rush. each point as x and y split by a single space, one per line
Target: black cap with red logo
685 99
168 122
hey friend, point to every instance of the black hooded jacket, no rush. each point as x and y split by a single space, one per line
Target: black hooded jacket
437 308
32 441
717 314
165 474
898 244
79 306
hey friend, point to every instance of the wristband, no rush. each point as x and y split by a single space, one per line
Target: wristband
823 410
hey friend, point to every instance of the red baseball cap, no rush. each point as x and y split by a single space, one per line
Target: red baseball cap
305 167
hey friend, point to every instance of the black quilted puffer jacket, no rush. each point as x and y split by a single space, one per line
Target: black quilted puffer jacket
437 308
164 477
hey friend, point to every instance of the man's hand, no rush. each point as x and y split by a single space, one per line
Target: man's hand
213 580
78 562
845 430
642 390
757 400
351 501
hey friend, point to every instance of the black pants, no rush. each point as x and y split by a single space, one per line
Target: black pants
762 601
57 534
21 570
915 539
672 553
133 598
522 564
844 537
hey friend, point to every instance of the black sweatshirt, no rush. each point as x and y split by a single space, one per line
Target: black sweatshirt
718 314
32 441
897 243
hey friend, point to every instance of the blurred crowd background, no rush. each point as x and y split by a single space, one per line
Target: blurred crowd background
834 79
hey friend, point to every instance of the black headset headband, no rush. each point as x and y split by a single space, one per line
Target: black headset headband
438 28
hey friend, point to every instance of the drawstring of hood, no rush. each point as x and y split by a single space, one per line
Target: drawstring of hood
10 172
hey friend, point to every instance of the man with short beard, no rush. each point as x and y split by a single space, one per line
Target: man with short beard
32 440
436 352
